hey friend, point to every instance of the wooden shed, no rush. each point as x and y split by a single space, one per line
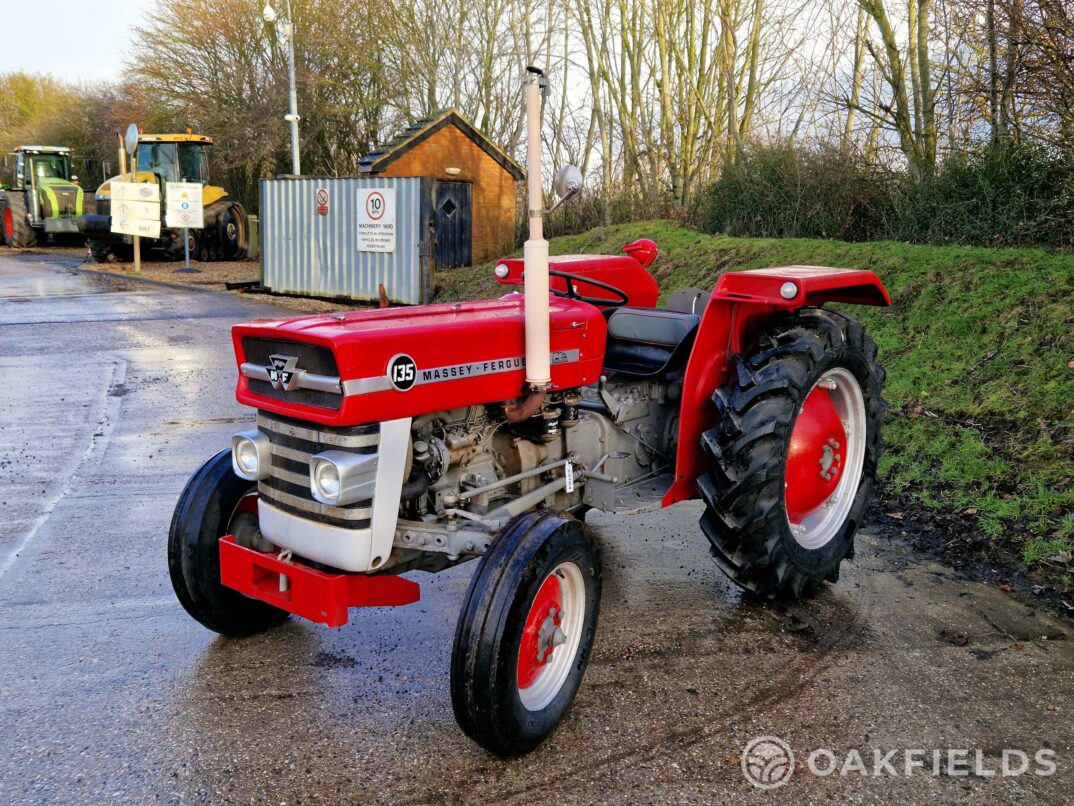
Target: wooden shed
470 174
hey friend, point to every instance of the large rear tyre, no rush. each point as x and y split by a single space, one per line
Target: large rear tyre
792 460
226 232
17 230
214 503
525 632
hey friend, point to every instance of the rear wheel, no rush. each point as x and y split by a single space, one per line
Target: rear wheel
525 632
214 503
792 460
17 230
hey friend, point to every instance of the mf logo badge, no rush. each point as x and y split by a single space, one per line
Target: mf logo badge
402 372
281 371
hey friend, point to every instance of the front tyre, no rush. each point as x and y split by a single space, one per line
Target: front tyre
214 503
525 632
792 459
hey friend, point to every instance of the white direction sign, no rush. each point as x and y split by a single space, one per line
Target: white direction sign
136 209
376 220
184 208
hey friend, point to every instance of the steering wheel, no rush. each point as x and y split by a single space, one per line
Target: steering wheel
570 293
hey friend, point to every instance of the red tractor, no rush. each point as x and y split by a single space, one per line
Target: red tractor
395 440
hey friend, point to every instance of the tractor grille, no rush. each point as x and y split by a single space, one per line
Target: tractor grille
288 485
313 359
66 202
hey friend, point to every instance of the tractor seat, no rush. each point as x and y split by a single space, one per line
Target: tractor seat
643 342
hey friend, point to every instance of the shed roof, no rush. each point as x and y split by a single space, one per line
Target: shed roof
425 128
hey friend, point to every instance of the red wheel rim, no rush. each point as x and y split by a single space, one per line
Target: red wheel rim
815 455
9 224
247 505
546 604
825 458
551 637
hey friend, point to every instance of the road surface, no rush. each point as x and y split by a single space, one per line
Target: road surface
116 390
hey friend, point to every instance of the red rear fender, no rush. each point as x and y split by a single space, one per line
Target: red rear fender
742 305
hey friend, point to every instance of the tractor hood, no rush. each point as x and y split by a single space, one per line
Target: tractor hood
59 198
370 366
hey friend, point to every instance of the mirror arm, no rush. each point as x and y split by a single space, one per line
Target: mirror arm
561 202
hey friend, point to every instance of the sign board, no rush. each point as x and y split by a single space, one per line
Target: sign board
136 209
135 191
376 220
322 201
184 208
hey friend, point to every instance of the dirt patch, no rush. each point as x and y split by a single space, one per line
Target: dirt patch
955 542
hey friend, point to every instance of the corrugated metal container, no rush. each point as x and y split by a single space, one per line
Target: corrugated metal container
304 251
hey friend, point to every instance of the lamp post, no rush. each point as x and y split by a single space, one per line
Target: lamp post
269 15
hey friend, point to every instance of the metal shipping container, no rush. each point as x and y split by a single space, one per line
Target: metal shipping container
309 239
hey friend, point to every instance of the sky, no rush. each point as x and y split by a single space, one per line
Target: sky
79 40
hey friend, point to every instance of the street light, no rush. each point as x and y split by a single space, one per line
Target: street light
268 14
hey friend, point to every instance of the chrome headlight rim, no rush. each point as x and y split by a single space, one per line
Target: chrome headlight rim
354 477
248 445
319 467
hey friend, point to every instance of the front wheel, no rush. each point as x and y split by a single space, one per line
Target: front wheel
792 459
214 503
525 632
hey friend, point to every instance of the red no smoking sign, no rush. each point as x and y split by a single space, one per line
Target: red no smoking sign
322 201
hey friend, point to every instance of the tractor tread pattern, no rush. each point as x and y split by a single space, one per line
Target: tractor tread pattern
745 519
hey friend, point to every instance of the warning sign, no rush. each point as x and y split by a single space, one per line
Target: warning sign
184 206
376 220
322 201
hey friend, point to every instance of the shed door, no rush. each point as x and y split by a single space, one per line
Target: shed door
453 223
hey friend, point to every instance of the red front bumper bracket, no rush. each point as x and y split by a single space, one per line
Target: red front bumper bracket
308 593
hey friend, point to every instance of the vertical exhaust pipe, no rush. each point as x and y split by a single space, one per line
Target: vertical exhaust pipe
535 251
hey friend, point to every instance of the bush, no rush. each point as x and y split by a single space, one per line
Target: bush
1013 194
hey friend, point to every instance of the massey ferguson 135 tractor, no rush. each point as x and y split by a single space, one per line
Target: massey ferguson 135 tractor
395 440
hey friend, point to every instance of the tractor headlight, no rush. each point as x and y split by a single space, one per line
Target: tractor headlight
326 480
338 478
250 455
502 271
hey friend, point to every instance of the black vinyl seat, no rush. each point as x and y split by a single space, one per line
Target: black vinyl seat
644 342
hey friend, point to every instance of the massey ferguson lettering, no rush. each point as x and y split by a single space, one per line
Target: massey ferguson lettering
471 370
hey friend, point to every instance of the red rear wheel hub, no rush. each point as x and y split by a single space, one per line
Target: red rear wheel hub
9 224
815 457
548 603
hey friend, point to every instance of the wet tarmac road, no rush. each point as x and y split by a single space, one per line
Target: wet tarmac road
115 391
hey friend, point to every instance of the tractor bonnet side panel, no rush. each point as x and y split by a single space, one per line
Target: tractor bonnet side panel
405 362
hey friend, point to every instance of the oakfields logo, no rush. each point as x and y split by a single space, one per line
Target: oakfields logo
768 762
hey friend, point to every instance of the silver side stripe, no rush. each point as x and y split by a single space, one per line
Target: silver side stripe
454 372
302 379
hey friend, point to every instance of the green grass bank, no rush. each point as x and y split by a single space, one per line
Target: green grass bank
979 348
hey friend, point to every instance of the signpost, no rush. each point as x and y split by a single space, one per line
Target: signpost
184 210
376 220
130 143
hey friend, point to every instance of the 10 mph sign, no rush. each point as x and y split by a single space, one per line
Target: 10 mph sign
376 220
184 206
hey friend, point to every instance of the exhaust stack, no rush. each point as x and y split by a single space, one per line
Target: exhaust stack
535 251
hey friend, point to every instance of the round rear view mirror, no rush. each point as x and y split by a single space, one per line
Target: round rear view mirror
568 181
130 139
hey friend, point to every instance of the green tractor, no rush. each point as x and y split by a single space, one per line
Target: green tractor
43 196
